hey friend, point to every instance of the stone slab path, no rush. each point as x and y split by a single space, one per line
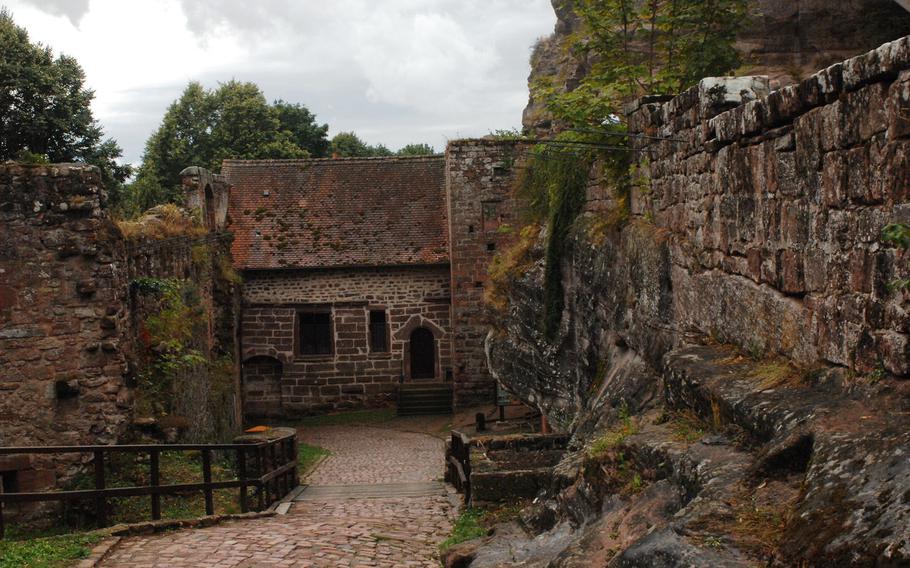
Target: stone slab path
375 501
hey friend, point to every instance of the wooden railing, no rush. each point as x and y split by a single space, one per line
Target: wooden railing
458 465
270 467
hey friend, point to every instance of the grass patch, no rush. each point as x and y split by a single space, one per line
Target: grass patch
49 552
162 222
685 425
468 526
308 456
128 470
612 438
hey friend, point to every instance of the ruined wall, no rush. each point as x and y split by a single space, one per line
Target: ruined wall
278 381
206 405
754 241
63 312
71 320
775 211
758 225
480 177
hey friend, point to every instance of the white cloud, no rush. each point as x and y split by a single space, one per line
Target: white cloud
395 71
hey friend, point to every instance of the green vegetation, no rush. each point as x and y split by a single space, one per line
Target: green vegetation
130 470
615 436
467 527
204 127
45 109
508 265
898 234
643 48
349 145
308 456
416 150
631 49
687 427
48 552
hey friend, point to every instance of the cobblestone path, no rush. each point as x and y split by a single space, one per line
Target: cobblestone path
400 523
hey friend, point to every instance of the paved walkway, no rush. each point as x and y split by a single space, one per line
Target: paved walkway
395 512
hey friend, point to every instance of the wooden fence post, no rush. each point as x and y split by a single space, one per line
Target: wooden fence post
2 529
263 487
100 501
155 481
207 479
241 473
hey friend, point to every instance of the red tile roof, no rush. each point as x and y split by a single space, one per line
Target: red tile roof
338 212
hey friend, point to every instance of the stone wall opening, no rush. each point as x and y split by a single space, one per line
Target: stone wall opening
423 354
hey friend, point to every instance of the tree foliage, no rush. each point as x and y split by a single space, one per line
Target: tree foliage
204 127
639 47
45 109
632 48
349 145
416 150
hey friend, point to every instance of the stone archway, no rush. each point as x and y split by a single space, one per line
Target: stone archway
422 354
262 386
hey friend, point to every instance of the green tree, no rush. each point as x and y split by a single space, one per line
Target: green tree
305 132
644 47
204 127
349 145
45 109
416 150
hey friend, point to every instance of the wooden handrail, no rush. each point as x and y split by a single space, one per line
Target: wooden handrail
281 477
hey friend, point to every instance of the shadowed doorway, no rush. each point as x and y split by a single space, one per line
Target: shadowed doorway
423 354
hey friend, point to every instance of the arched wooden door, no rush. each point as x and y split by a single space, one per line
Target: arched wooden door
423 354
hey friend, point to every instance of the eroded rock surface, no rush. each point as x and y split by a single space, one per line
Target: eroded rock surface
731 363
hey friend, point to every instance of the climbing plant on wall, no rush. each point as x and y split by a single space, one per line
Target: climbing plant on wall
898 234
646 47
632 48
169 337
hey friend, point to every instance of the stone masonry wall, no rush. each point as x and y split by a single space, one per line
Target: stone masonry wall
480 177
758 223
63 292
774 211
278 381
70 318
207 405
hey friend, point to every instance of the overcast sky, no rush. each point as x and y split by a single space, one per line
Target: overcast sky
394 71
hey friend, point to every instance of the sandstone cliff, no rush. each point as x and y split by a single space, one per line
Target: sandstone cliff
785 39
732 362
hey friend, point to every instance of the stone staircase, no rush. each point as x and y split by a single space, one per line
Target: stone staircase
424 398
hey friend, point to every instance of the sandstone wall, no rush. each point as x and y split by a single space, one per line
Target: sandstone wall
63 310
480 176
774 212
758 225
207 403
754 241
278 381
70 319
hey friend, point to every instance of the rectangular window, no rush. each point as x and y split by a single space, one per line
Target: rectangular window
315 332
379 332
9 482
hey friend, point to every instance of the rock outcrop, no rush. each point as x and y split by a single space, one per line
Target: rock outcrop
731 362
786 41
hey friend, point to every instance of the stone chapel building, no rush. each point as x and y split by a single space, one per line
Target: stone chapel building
362 277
